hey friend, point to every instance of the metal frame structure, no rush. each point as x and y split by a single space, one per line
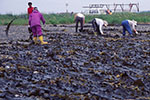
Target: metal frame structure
114 7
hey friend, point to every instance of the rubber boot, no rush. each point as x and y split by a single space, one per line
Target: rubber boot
41 39
35 40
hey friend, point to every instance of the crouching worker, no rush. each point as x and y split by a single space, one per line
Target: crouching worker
79 18
34 22
97 25
127 25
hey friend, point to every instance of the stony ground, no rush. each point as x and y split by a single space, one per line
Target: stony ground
76 66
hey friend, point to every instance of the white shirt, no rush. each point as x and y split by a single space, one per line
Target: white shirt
100 22
132 24
80 15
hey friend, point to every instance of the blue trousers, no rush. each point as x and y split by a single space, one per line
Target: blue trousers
126 27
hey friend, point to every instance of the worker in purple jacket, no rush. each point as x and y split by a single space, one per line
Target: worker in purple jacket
34 22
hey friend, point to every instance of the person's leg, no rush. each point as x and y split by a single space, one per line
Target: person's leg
128 29
77 22
34 31
124 24
81 23
39 30
94 25
124 31
40 34
97 29
34 34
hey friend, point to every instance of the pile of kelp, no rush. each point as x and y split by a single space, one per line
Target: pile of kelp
76 66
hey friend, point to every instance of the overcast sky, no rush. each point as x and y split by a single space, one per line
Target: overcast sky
54 6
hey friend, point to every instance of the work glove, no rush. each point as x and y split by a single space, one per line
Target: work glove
29 29
105 25
136 32
28 26
44 26
102 33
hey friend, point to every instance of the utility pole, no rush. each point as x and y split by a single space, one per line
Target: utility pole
67 7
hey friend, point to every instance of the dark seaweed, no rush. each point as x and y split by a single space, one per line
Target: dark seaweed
75 65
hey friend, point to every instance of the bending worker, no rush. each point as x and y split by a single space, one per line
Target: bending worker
127 25
34 22
79 18
97 25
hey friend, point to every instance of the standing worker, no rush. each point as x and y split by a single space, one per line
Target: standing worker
34 22
127 25
97 25
79 18
30 9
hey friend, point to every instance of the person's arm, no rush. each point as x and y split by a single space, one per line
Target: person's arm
30 18
42 18
133 27
100 23
100 28
28 12
83 20
75 17
135 31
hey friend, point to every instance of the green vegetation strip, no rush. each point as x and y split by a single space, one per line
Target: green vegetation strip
115 18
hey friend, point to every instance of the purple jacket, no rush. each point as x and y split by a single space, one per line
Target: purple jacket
35 17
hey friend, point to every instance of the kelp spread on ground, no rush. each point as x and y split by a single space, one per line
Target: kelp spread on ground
75 65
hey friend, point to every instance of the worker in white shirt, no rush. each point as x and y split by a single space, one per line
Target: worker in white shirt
97 25
79 18
129 25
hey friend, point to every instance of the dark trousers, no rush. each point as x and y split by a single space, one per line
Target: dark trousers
79 20
95 26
